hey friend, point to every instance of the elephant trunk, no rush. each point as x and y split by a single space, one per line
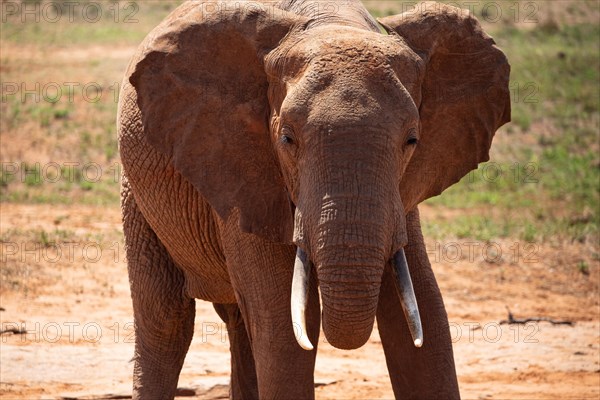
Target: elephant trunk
349 294
350 256
349 224
349 270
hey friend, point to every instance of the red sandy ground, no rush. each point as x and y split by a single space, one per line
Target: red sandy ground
78 316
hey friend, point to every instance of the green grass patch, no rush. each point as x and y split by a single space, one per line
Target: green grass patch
478 227
554 73
64 24
555 98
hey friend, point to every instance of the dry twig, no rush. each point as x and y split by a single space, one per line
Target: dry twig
512 320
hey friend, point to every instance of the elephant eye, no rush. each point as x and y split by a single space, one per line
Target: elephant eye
412 137
287 135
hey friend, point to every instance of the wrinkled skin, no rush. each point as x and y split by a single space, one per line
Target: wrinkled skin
249 131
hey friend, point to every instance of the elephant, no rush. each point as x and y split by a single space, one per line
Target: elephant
274 155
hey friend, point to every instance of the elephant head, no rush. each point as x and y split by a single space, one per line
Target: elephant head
324 134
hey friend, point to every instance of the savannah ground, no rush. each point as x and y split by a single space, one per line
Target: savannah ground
520 232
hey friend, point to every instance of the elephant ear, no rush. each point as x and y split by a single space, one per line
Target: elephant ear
202 92
464 96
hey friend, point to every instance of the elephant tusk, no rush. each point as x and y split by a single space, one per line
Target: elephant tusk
299 300
408 300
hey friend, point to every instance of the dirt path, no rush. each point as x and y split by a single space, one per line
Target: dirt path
72 298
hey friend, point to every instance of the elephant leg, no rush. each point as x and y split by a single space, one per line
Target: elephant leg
417 373
243 372
163 314
261 274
